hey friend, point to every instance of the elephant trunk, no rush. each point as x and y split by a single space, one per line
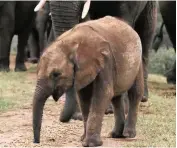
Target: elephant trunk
65 15
42 92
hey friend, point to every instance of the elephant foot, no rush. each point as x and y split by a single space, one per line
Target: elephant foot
33 60
4 68
92 141
77 116
144 99
20 67
146 92
114 134
171 78
36 141
129 132
109 110
145 96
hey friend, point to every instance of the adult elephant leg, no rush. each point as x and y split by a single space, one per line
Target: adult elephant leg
7 18
171 75
20 59
41 22
168 11
33 47
146 32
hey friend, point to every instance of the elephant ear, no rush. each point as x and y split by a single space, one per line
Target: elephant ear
89 60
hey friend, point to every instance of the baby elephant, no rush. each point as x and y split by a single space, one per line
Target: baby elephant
95 63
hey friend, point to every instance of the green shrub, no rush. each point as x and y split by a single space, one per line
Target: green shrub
162 61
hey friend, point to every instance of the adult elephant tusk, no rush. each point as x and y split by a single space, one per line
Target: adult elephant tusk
40 5
86 9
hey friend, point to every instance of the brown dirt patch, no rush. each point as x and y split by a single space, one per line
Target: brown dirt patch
16 128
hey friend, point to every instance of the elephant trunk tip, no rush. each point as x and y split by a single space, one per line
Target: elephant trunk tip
36 141
36 137
64 119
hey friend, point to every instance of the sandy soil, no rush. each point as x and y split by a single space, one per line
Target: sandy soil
16 128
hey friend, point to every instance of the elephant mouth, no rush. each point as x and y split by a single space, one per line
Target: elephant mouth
57 93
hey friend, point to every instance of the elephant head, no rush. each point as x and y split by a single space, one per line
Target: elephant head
84 12
67 65
66 14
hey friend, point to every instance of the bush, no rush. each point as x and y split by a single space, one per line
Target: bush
162 61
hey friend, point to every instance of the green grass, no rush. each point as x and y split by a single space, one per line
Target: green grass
157 118
15 89
157 122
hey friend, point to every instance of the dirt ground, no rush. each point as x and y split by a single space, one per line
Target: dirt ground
16 125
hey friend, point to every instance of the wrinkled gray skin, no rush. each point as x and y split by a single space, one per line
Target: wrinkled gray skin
66 14
168 12
40 34
16 18
95 63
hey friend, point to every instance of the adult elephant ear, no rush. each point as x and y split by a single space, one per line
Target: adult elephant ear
89 60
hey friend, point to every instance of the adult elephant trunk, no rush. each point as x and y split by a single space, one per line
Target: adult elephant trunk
42 92
65 15
70 105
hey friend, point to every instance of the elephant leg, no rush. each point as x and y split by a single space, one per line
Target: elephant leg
33 48
135 94
20 59
146 32
101 96
84 102
7 18
119 117
41 26
171 75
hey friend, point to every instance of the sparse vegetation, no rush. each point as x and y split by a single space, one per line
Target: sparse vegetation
162 61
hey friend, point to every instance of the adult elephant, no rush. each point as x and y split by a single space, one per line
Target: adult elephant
168 12
16 18
141 15
40 33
